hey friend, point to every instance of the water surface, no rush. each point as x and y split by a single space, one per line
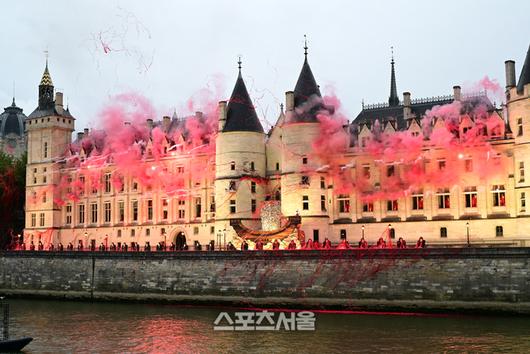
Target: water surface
80 327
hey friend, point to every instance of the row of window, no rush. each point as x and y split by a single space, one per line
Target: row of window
443 198
134 211
499 232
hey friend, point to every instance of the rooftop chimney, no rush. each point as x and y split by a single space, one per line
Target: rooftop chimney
289 101
406 99
509 67
222 115
80 136
166 121
457 93
85 131
149 123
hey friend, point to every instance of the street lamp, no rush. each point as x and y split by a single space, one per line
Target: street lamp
362 228
467 226
224 239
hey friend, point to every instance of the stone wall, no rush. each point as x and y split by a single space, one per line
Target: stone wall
459 279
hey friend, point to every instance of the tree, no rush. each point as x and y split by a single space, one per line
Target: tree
12 195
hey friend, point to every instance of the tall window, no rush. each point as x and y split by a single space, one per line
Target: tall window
443 232
366 171
81 185
344 203
499 231
390 170
232 206
165 213
322 183
68 213
252 187
277 166
134 210
44 197
212 204
252 166
134 186
499 195
468 165
443 196
304 160
441 164
150 209
392 205
147 232
305 180
232 186
121 211
519 126
41 217
45 149
198 207
232 166
368 207
107 179
470 196
305 202
417 201
323 203
93 213
81 213
34 176
253 205
44 175
33 220
118 233
182 209
523 201
521 171
107 212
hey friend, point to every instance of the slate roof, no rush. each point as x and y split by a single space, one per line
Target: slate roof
241 115
305 90
12 120
524 78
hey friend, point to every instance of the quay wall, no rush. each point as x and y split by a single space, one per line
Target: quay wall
431 279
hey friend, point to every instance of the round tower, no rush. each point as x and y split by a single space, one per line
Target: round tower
240 182
304 181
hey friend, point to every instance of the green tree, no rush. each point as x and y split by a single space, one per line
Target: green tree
12 195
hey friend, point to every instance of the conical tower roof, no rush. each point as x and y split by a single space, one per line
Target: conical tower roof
241 115
46 77
524 78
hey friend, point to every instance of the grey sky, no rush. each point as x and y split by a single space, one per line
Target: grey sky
169 50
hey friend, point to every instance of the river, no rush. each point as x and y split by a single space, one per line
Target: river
82 327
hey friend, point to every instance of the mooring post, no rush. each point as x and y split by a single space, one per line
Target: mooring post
5 323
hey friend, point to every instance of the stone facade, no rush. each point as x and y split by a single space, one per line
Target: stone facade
280 157
478 279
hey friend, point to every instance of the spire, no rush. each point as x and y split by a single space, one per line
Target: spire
524 78
239 64
46 89
393 100
46 78
240 113
305 46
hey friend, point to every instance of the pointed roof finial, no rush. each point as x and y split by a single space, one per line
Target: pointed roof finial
46 77
393 100
13 104
305 46
239 63
281 107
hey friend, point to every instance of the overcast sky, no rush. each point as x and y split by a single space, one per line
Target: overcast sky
170 50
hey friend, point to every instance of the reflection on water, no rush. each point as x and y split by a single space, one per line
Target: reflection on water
67 327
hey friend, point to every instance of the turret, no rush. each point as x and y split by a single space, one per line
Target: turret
240 160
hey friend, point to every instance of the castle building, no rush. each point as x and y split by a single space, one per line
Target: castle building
12 135
457 190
